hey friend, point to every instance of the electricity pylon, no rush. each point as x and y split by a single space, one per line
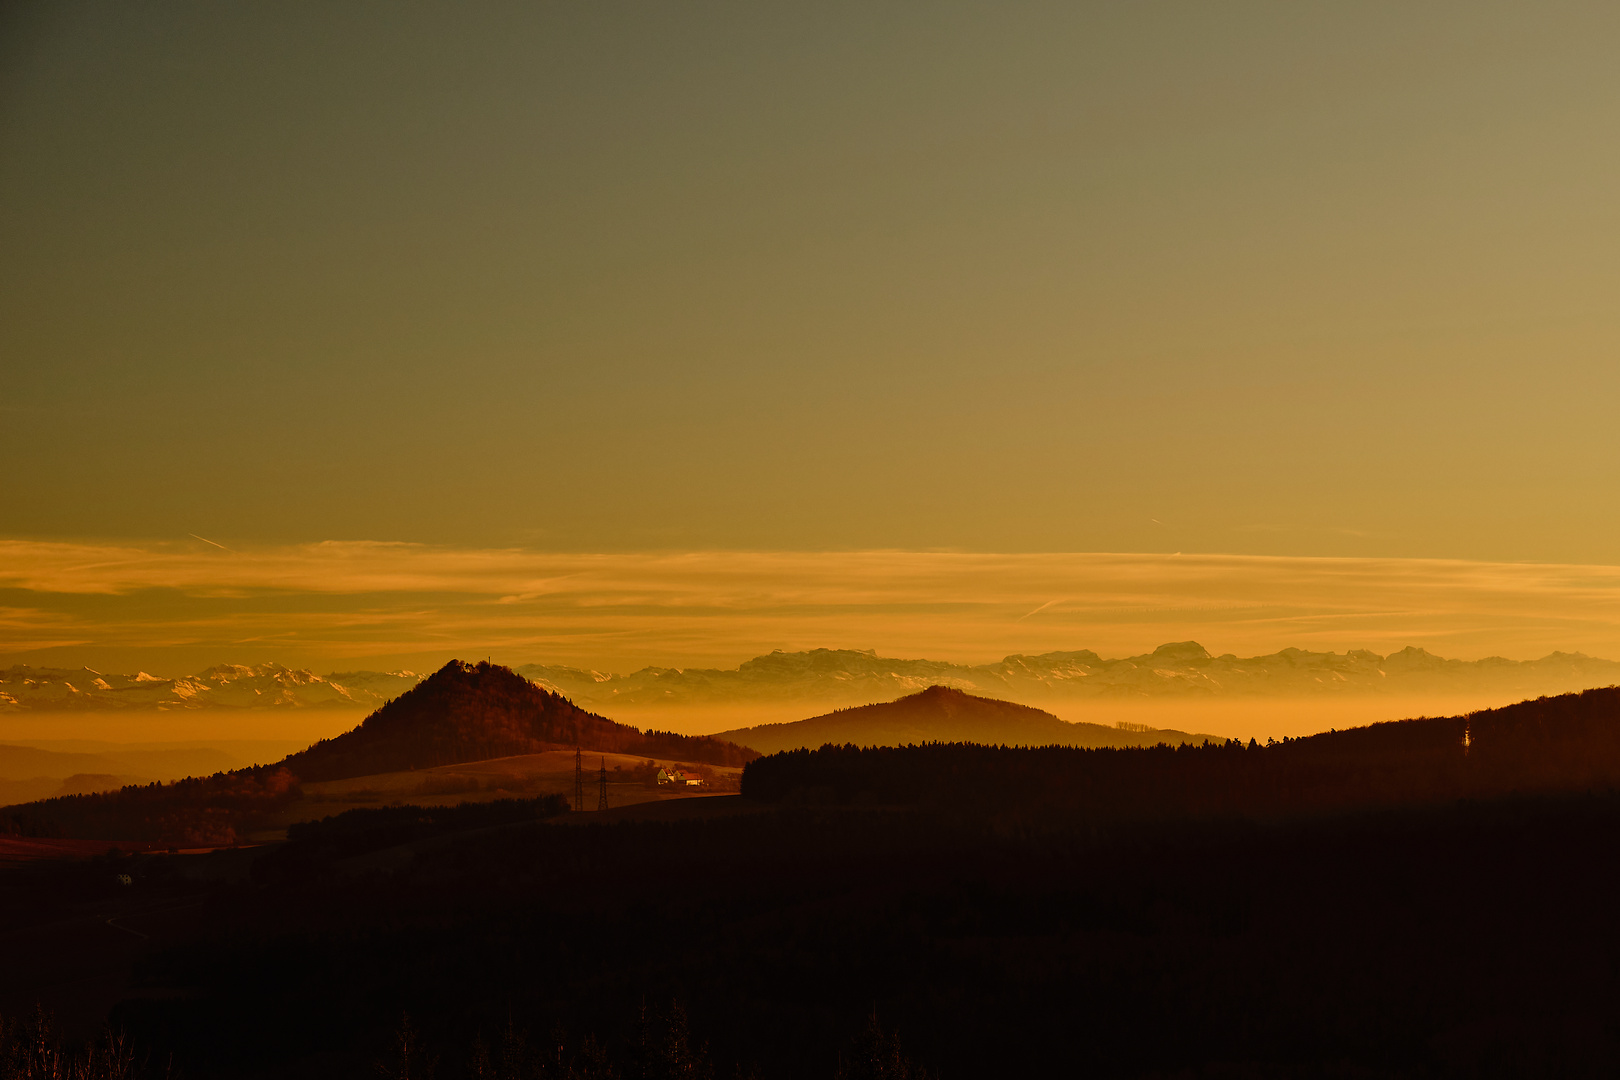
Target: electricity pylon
579 781
601 798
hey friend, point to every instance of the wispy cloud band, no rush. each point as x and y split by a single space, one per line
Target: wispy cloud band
335 601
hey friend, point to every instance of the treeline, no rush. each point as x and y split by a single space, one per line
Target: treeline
661 1046
1566 743
313 846
472 712
205 811
33 1048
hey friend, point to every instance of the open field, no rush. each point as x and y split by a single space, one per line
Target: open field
522 776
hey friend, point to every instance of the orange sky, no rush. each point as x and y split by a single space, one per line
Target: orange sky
478 293
337 605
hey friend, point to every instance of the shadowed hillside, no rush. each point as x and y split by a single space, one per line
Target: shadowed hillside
472 712
1569 743
944 714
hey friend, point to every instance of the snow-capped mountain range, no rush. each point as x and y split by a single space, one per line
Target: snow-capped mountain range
839 677
1180 669
226 686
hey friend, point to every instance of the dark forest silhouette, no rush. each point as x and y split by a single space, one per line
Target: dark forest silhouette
203 811
1429 898
1566 743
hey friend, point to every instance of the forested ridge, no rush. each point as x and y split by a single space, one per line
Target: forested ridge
200 811
1565 743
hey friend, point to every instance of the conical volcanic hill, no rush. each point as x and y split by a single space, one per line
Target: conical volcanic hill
944 714
471 712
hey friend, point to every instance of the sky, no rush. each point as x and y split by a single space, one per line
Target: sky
823 285
357 605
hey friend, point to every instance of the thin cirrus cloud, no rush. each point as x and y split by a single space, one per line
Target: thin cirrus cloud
342 603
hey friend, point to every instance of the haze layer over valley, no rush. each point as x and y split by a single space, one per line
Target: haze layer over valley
1176 670
1177 686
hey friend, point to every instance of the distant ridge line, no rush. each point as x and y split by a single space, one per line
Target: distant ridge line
830 679
943 714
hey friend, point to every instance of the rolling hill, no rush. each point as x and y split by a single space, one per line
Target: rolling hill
945 714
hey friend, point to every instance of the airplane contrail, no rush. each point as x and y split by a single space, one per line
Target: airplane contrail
1043 607
205 540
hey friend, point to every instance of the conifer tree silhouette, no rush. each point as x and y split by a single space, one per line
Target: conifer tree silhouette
878 1055
408 1059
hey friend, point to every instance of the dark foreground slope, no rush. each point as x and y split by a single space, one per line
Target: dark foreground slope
1447 913
473 712
944 714
1472 940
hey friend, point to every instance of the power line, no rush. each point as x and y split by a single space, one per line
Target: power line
579 781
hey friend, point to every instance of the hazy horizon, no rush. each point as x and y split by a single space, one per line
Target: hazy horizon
613 337
1248 697
1240 718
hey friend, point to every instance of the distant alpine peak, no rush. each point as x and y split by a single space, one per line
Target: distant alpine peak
1182 651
